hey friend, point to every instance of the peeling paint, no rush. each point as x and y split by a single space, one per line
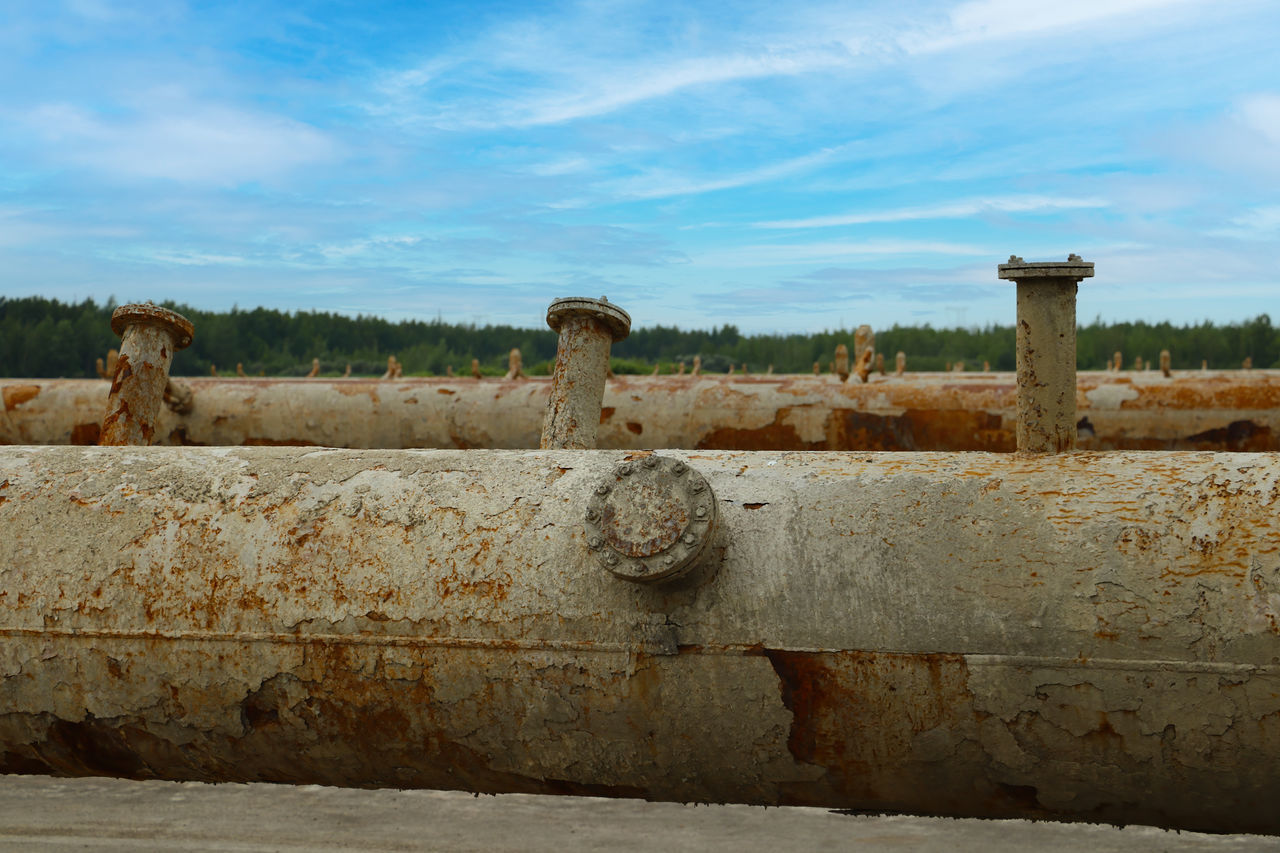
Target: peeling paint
1238 411
1085 636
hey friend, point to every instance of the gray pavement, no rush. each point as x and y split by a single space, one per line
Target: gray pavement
44 814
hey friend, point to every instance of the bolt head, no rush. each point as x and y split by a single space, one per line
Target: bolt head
679 468
624 470
593 514
700 512
697 487
602 489
650 462
595 543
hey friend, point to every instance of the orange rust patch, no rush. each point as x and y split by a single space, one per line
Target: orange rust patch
882 725
851 429
16 395
606 413
86 434
775 436
635 427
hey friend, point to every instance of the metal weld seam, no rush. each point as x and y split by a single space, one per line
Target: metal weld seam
1136 664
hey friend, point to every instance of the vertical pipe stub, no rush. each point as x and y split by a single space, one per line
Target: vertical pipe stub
587 329
149 336
1046 351
650 520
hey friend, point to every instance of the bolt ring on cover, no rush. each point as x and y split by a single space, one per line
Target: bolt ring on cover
650 521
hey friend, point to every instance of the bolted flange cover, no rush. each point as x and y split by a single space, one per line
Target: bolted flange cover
650 519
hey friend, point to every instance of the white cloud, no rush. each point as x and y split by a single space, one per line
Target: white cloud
1258 223
951 210
990 20
190 143
1261 114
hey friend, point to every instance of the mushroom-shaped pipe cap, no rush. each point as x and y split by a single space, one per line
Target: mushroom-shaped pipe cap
617 320
148 314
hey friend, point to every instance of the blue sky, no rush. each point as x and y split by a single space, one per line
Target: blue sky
781 166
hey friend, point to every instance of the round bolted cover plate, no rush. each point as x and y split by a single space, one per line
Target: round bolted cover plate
650 518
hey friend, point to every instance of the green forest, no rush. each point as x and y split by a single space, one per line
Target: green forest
46 338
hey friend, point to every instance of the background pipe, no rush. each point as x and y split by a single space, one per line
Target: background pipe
1215 410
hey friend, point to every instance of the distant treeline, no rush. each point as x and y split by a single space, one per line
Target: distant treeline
47 338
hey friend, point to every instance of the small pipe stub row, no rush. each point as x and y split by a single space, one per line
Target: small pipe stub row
650 520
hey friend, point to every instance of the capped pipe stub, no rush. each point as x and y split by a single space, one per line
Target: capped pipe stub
147 314
650 519
615 319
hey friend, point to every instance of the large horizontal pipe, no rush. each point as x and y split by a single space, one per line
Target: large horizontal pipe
1087 636
1237 410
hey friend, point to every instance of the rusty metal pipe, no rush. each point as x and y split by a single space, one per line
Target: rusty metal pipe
1066 636
1046 340
587 329
1222 410
149 336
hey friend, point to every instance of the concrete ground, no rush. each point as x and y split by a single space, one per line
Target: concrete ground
44 814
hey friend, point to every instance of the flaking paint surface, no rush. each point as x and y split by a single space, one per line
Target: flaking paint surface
1191 411
1085 635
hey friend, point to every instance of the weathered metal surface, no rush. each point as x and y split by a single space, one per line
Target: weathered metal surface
1077 635
150 335
1046 351
1229 410
650 520
587 329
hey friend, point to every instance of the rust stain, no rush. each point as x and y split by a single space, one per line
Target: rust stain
86 434
15 395
883 726
851 429
774 436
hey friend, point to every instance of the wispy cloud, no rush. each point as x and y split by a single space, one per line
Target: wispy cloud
195 143
624 87
808 253
948 210
661 184
1259 223
989 20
